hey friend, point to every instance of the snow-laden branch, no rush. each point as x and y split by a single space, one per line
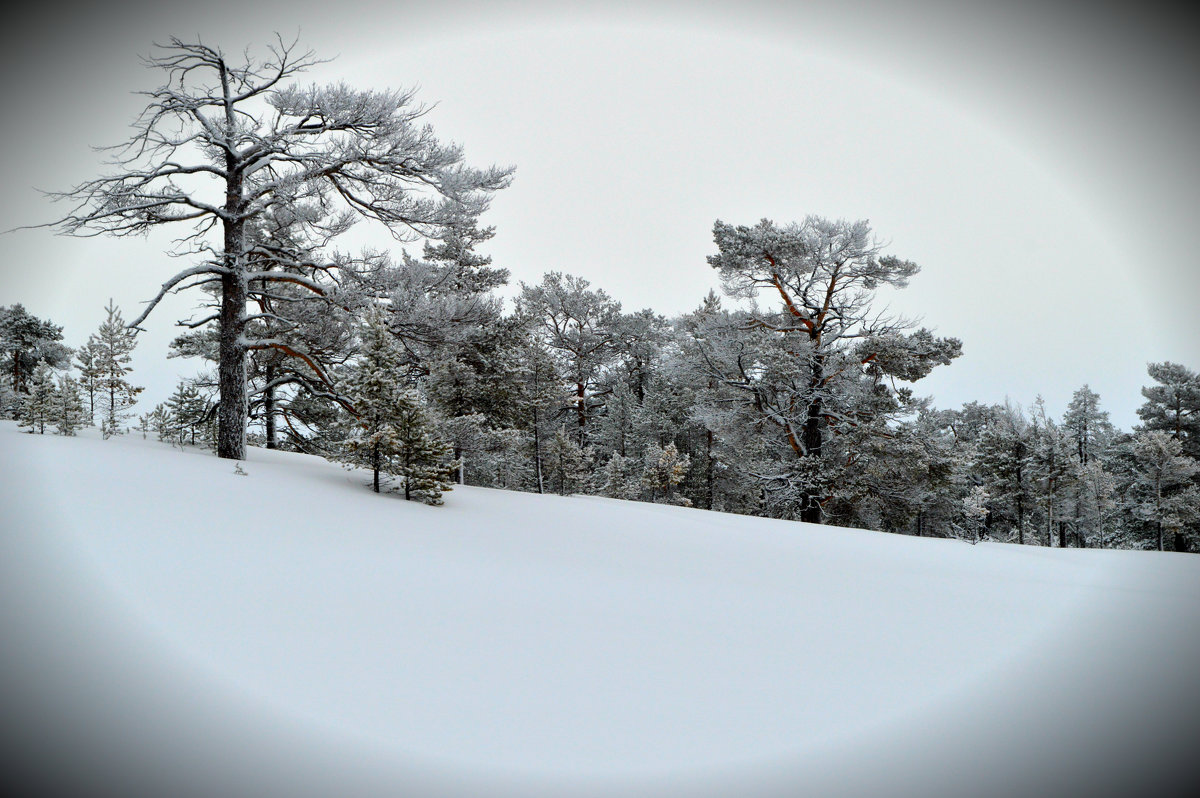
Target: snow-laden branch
208 268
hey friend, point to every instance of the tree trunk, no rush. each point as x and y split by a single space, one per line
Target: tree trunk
231 367
537 452
1020 521
375 466
810 508
231 370
581 401
708 477
269 409
1050 522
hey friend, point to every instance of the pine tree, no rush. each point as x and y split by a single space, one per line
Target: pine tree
114 342
392 434
579 327
1092 433
820 370
567 463
87 360
187 413
663 468
1097 503
1053 472
1087 424
1173 405
539 401
423 462
1004 460
68 410
37 407
975 512
1163 494
27 341
160 422
234 126
617 478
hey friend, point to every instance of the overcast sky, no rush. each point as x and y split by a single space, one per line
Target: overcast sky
1039 160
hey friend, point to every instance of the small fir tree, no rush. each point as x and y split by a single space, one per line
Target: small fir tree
618 478
37 408
68 410
160 422
974 514
392 435
662 470
189 413
567 464
114 344
87 360
420 458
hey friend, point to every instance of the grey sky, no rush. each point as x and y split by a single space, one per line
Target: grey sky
1039 161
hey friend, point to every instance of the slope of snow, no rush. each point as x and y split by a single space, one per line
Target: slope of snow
171 627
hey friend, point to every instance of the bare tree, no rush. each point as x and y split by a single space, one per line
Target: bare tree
222 145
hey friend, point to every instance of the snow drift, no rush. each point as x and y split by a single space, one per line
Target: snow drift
173 628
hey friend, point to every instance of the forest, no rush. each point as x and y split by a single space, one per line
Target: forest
789 395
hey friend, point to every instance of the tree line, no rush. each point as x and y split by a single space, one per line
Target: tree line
569 394
795 400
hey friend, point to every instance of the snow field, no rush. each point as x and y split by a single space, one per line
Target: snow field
289 632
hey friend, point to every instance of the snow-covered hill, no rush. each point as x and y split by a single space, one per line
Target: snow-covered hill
173 628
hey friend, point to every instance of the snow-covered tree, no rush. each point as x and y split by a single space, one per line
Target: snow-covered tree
663 469
1053 473
975 512
539 402
188 414
68 410
391 433
112 347
825 363
87 360
618 478
578 325
423 462
1005 463
1173 405
1087 424
1163 493
1098 503
567 464
26 341
159 421
37 405
223 143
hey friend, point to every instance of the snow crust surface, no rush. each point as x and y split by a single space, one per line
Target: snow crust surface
172 627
